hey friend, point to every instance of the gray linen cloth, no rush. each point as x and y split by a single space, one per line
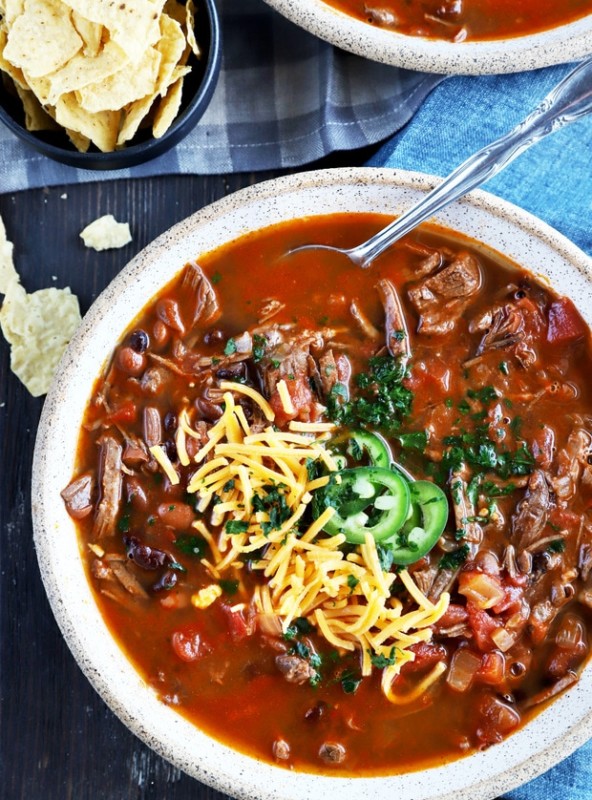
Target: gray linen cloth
284 99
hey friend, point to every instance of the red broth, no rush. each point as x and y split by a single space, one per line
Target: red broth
498 381
465 20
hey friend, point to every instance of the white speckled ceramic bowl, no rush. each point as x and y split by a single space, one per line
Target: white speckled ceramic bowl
543 742
566 43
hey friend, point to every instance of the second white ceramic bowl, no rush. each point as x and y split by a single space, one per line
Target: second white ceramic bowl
570 42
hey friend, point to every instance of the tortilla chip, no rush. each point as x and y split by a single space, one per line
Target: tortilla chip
14 72
123 87
8 275
175 10
138 111
191 40
105 233
12 10
171 46
90 32
38 327
81 71
167 110
80 142
100 128
42 38
132 24
36 118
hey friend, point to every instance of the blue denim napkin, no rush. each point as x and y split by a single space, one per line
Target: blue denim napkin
553 180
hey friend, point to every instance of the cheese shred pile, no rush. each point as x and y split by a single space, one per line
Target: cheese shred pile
256 488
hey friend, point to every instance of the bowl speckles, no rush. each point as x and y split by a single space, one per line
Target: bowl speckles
547 739
566 43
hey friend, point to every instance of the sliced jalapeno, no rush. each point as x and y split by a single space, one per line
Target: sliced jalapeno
366 500
363 446
424 525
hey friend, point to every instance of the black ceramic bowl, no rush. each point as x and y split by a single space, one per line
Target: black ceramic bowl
198 89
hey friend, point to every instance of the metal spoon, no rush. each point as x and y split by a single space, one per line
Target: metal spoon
567 102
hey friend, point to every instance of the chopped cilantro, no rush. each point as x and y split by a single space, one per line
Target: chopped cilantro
385 557
124 523
380 661
556 546
485 395
299 627
352 582
228 586
274 504
417 440
503 368
191 545
382 402
216 278
230 347
259 345
228 486
236 526
449 402
350 681
455 558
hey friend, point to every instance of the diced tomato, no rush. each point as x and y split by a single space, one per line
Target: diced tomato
426 656
238 626
565 323
482 625
301 397
127 412
431 382
497 719
512 600
188 644
492 668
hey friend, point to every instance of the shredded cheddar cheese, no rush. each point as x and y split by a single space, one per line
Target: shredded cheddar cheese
346 596
165 463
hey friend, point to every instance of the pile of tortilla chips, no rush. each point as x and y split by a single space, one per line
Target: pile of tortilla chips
97 68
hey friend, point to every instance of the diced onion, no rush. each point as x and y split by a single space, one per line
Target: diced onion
484 590
503 639
463 667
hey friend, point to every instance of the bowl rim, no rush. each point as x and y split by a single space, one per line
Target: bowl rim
77 615
569 42
141 152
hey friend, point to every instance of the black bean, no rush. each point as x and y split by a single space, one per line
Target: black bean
170 421
139 341
143 555
214 336
171 450
167 580
233 371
